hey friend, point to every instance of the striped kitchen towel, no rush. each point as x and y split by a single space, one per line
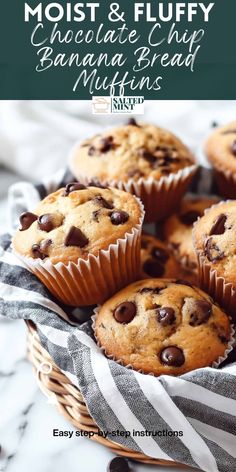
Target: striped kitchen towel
189 419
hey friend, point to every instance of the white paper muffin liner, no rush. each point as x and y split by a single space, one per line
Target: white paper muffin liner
223 292
159 197
214 365
92 281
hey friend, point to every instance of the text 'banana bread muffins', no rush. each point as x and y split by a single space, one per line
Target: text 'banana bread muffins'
160 326
214 238
221 152
82 242
142 159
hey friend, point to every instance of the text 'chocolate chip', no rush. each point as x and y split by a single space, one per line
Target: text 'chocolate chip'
125 312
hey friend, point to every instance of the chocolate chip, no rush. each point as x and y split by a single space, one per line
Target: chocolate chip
165 316
172 356
119 217
133 122
145 290
182 282
106 144
200 313
72 187
104 203
41 250
75 237
144 244
95 215
37 252
91 151
153 268
160 254
45 222
189 217
214 124
118 464
219 225
223 339
125 312
212 251
26 220
234 148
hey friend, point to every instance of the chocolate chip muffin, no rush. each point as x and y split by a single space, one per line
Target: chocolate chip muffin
139 158
221 152
156 259
162 326
215 244
78 234
178 231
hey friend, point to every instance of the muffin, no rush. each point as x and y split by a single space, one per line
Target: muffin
142 159
221 152
215 245
156 259
160 326
178 231
82 242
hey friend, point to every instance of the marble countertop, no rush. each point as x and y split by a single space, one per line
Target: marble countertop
27 420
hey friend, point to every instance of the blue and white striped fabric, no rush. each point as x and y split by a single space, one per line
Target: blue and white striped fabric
201 404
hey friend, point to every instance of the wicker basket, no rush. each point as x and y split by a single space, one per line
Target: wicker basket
70 402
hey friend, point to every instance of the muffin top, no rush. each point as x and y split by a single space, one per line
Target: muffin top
214 239
76 221
178 230
221 147
156 258
162 326
130 151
